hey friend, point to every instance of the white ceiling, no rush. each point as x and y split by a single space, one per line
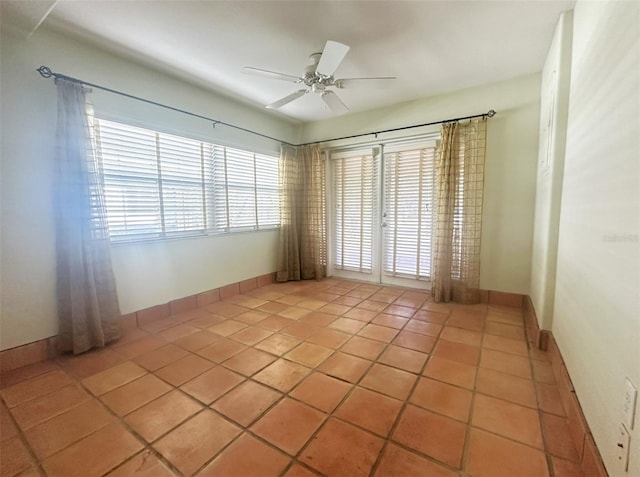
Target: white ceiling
430 46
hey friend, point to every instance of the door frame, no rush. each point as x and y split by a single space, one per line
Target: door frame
377 275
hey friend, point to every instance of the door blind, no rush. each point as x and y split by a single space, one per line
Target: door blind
409 194
355 191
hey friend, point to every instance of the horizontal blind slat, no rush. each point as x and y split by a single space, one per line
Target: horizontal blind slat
409 194
139 164
355 185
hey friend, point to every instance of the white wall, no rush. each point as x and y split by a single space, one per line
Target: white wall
510 174
596 320
147 274
554 108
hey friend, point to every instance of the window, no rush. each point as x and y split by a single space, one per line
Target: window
159 185
245 190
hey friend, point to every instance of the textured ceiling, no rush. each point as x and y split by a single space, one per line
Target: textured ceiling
430 46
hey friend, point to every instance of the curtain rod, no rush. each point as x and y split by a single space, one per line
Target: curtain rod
489 114
46 72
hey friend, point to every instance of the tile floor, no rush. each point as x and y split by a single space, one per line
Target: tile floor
330 378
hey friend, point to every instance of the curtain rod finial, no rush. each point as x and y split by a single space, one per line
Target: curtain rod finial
491 113
45 72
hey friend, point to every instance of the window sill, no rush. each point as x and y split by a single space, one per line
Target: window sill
205 235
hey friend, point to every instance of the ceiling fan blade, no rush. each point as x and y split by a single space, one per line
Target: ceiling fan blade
270 74
332 56
334 102
376 82
287 99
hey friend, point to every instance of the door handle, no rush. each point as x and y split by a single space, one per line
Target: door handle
383 224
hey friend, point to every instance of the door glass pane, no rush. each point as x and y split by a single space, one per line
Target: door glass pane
355 192
409 204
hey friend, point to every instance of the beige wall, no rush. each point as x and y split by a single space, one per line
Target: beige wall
147 274
153 273
597 298
512 147
554 107
157 272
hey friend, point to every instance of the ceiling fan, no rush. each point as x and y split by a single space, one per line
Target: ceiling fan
318 76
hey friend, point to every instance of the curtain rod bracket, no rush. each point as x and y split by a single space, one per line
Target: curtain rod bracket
491 113
45 72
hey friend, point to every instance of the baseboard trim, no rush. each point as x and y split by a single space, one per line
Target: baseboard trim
589 457
45 349
26 354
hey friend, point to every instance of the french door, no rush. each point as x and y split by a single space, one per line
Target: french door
381 213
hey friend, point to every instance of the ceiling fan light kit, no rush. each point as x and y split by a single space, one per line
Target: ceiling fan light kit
318 76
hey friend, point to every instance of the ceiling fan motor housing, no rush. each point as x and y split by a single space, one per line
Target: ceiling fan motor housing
316 81
317 87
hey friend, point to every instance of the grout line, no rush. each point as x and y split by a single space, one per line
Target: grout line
403 408
147 446
283 395
332 415
469 427
539 411
20 435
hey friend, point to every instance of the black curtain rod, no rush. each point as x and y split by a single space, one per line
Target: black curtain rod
489 114
46 72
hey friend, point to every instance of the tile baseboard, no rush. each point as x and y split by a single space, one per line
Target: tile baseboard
193 302
45 349
27 354
588 455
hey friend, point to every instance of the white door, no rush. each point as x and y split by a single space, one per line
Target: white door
407 213
381 209
354 221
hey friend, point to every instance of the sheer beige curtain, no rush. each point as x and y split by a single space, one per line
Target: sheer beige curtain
88 310
458 223
302 248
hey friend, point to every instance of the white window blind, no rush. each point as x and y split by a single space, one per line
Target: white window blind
267 191
159 185
409 193
182 187
355 191
129 164
245 194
